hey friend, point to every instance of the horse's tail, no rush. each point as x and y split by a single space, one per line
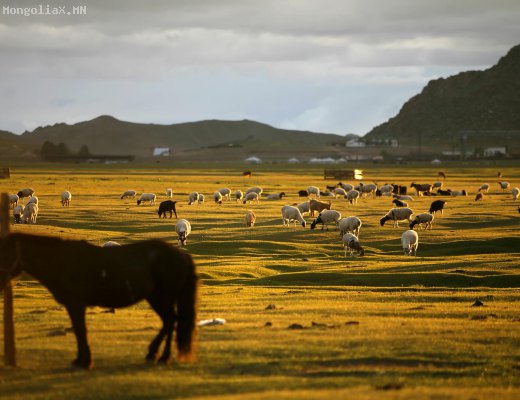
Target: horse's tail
187 314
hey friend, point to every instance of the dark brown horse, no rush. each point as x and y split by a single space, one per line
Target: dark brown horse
79 274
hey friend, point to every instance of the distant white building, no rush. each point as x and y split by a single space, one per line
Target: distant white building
356 142
293 160
161 151
494 151
253 160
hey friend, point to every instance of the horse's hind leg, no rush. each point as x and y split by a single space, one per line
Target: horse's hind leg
165 311
77 316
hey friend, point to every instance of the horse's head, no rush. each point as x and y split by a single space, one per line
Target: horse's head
10 260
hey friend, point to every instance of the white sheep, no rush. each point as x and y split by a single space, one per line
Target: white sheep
349 224
200 198
410 242
33 199
226 193
65 198
369 189
455 193
17 213
386 190
396 215
425 219
504 185
346 186
403 197
239 195
304 207
327 217
515 192
111 243
484 188
169 193
147 197
13 200
25 193
250 218
128 194
217 196
291 213
351 243
314 190
30 212
193 197
353 196
257 189
338 192
251 197
183 229
275 196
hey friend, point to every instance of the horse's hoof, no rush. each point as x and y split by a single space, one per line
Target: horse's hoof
84 365
164 360
150 358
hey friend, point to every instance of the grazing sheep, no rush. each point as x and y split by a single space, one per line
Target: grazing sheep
349 224
30 212
250 218
386 190
317 205
504 185
515 191
303 193
345 186
326 194
437 205
147 197
291 213
369 189
193 197
128 194
396 215
425 219
351 243
444 192
257 189
313 190
479 196
65 198
33 199
165 206
183 229
420 188
13 200
111 243
239 196
25 193
437 185
250 197
410 242
352 196
327 217
217 196
399 203
200 198
226 193
340 192
403 197
484 188
304 207
276 196
17 213
169 193
458 192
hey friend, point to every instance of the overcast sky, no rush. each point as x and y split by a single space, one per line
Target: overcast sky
336 66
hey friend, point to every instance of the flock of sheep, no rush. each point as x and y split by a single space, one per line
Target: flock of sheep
348 227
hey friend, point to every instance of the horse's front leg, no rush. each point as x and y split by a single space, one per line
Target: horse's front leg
169 324
77 316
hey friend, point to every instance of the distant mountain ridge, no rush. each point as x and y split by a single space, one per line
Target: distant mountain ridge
479 106
108 135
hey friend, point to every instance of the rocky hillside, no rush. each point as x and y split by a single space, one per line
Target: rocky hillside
481 107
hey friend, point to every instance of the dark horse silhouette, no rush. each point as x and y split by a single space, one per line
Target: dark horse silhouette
79 274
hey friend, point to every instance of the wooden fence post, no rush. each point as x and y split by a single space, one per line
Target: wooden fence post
9 338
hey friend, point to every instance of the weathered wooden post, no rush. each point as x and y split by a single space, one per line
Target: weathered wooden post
9 342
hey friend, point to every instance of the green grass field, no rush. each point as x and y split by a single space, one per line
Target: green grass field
382 326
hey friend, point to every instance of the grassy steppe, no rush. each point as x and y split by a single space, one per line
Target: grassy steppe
381 326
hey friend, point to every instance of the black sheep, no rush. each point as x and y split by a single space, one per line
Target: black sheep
437 205
166 206
303 193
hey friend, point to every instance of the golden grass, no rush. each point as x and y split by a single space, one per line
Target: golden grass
382 326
